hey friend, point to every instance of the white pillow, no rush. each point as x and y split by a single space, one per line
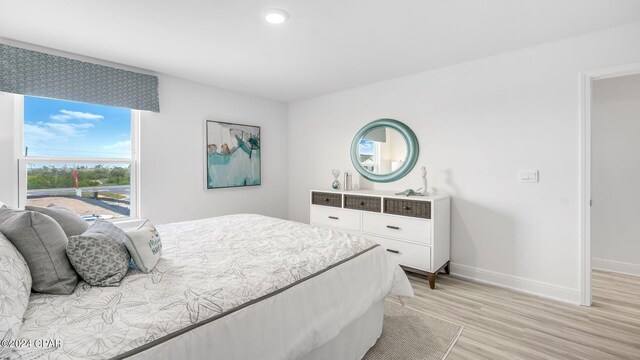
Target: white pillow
145 246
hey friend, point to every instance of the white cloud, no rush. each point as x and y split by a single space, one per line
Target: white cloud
42 131
61 117
82 115
65 115
120 145
38 132
69 130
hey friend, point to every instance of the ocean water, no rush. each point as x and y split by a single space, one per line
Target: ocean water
237 169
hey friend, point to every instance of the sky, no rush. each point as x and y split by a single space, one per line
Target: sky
366 147
57 128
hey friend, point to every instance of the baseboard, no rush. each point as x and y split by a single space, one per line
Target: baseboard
516 283
616 266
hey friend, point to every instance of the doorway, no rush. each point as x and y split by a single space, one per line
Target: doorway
610 159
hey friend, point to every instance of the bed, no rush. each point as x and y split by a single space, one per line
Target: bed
231 287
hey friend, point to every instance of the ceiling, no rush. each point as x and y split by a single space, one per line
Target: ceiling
326 46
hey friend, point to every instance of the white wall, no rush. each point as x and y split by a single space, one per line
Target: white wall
615 126
172 154
478 123
8 162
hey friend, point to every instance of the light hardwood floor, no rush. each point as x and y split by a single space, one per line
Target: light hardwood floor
501 324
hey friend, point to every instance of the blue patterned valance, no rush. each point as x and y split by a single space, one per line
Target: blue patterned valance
34 73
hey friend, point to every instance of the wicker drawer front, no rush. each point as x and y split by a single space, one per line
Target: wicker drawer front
326 199
366 203
419 209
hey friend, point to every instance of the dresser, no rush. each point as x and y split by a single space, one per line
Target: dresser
414 230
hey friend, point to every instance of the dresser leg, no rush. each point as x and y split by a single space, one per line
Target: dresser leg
432 280
446 268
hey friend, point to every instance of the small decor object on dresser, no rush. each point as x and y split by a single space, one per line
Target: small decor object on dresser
335 185
347 181
411 192
145 246
232 155
99 255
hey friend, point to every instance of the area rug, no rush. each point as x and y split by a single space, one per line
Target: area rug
410 334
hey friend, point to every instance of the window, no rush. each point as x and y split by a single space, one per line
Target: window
78 155
369 153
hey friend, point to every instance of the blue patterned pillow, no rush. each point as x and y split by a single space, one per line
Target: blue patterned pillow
99 255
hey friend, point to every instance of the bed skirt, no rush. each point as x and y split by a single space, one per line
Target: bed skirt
354 340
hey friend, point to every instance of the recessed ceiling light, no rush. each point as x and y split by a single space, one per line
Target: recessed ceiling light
276 16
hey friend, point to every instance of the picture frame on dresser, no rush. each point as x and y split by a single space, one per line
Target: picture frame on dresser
413 230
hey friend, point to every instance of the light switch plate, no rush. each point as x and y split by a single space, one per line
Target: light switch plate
528 176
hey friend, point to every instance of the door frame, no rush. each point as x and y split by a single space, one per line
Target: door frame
586 84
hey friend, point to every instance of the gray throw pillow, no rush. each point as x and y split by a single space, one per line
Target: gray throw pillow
42 243
72 223
99 255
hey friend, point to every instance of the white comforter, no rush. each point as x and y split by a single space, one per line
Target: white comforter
256 287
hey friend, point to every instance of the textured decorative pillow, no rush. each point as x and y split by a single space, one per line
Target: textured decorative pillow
144 246
15 282
99 254
42 243
72 223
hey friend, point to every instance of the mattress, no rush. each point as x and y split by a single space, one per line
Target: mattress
252 286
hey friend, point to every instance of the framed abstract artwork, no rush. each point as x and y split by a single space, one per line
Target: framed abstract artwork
232 155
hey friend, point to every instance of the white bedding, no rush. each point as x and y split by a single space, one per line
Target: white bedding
232 287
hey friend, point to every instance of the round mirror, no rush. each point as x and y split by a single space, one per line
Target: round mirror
384 150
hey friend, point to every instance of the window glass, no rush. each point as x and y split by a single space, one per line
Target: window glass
65 129
367 154
102 190
84 157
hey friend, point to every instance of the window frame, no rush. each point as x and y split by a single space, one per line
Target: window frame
23 160
377 152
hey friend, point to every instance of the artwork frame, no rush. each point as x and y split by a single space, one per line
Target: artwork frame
232 155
